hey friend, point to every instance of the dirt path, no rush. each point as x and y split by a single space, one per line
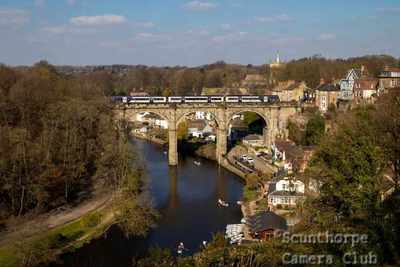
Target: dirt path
52 220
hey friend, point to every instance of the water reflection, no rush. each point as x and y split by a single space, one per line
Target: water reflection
173 197
186 197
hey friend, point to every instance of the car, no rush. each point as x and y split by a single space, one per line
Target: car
250 160
244 157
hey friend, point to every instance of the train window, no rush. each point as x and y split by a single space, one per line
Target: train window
232 99
217 99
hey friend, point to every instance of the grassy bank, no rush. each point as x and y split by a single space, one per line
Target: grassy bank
45 247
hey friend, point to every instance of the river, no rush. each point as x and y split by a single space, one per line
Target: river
186 198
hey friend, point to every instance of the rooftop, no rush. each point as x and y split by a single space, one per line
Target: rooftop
198 124
255 77
292 152
366 84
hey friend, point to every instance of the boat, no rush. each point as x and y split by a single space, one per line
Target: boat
181 248
198 163
222 203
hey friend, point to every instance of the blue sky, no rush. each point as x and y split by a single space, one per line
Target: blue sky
186 32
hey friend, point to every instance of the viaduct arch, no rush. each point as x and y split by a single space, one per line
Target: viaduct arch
275 116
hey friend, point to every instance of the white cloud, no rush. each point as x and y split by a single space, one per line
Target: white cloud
287 41
200 32
149 37
277 18
13 17
145 24
67 29
199 6
326 36
230 37
55 29
97 20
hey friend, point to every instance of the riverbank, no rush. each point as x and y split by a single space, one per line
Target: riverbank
146 137
42 240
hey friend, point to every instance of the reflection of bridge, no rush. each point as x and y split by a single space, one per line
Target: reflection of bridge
275 116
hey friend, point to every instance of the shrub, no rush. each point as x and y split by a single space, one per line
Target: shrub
91 220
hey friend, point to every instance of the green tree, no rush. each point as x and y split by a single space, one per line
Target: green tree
295 133
182 130
349 166
315 129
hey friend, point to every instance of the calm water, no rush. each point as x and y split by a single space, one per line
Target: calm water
186 197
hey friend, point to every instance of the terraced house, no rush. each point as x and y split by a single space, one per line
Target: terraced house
389 78
347 84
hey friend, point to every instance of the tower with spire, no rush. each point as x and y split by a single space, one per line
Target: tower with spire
277 63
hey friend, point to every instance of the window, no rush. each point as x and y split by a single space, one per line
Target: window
323 103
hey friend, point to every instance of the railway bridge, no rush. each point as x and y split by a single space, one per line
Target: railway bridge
275 116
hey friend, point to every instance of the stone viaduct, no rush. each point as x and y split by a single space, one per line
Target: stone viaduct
275 116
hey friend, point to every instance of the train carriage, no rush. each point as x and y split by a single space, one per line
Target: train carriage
274 99
139 99
216 99
251 99
175 99
159 99
196 99
270 99
232 99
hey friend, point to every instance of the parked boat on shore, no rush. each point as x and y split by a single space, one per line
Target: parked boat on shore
235 233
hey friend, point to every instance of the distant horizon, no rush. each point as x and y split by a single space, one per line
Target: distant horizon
196 66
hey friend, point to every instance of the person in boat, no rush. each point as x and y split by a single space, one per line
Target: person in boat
181 248
222 203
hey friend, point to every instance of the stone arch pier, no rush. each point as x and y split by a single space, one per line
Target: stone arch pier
275 116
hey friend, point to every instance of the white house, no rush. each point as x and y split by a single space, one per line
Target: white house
140 117
285 192
201 115
347 84
152 119
254 140
211 138
142 130
199 128
161 123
